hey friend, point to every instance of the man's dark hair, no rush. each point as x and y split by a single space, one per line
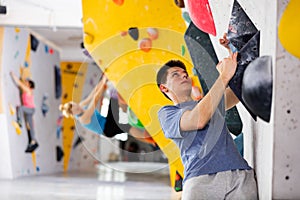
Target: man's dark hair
31 83
161 76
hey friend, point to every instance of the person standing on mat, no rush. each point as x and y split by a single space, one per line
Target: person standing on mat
213 167
27 109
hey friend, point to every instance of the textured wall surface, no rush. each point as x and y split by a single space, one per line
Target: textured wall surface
286 170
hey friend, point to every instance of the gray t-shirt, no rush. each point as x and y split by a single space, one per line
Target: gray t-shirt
203 151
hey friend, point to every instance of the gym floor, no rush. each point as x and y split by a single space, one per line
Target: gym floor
104 183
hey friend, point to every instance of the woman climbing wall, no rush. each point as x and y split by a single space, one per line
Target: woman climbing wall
27 109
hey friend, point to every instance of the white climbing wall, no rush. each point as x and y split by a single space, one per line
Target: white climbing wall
271 148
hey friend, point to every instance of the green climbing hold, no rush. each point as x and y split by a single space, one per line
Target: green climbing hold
133 120
182 50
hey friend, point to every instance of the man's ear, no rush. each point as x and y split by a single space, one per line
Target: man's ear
163 88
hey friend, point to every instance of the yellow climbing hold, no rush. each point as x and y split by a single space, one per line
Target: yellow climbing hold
33 156
12 110
17 127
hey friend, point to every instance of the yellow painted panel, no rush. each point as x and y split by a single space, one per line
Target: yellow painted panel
132 70
104 19
73 77
289 28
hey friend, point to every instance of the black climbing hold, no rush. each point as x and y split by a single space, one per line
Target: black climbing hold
59 153
33 42
134 33
257 87
241 29
245 56
78 141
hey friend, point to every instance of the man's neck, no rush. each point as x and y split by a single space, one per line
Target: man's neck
183 99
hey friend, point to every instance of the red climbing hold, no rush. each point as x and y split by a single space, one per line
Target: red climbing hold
118 2
145 44
201 15
123 33
177 177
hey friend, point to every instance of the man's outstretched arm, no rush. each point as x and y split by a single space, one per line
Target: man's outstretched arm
198 117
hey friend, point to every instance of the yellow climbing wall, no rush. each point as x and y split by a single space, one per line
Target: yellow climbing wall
72 76
132 70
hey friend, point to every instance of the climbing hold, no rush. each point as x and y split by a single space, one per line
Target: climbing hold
12 110
247 54
57 81
26 64
152 33
44 107
182 50
46 49
118 2
196 93
133 120
86 53
177 177
88 38
240 29
178 182
33 42
186 17
59 153
179 3
134 33
145 44
78 141
17 30
257 87
16 54
17 127
201 15
123 33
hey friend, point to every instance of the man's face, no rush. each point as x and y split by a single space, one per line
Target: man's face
178 81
